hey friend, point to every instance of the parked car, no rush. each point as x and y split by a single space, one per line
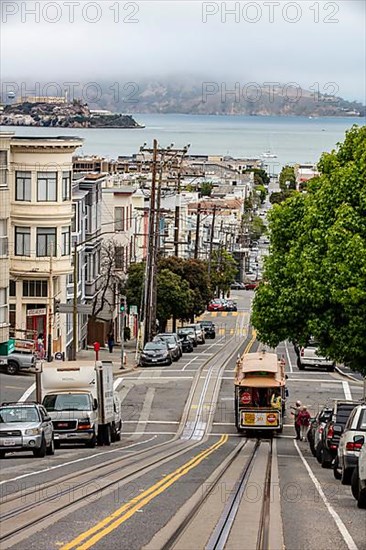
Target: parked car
358 481
191 333
328 445
317 426
231 306
309 357
209 329
349 445
199 331
251 285
174 345
216 305
155 353
18 361
26 427
186 342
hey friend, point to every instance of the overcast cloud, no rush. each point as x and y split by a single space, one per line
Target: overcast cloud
325 42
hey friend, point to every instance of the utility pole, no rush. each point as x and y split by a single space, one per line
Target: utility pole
122 308
150 251
154 285
211 240
177 206
198 221
50 307
75 304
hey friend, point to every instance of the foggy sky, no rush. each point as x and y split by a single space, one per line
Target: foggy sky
153 39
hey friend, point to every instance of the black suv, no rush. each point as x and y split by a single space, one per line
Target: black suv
209 328
316 428
326 450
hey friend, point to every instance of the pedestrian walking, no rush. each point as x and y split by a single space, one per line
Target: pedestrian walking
303 419
110 342
295 411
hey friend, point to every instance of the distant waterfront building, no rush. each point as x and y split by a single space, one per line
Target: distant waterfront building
304 173
54 100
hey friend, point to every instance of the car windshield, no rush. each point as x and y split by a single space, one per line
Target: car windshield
67 402
18 414
157 346
167 337
362 422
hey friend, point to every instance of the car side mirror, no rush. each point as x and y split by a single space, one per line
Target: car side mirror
95 404
47 419
360 439
286 377
337 429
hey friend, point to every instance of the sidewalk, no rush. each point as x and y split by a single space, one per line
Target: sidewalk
115 356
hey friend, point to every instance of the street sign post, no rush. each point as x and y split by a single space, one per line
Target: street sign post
85 309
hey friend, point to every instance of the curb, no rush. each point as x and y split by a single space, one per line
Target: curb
349 376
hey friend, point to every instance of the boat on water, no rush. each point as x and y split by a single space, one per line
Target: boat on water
268 155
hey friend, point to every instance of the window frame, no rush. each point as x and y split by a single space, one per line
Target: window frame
66 241
23 183
119 221
47 177
24 231
48 241
66 185
4 303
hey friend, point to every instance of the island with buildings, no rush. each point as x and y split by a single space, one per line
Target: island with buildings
58 112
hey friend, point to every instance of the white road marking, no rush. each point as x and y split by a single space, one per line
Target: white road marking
341 526
347 391
117 383
189 362
27 393
288 358
120 449
227 399
148 433
152 422
146 409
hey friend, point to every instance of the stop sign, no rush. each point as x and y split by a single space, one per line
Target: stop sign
246 398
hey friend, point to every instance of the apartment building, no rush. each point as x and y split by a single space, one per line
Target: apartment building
4 232
41 216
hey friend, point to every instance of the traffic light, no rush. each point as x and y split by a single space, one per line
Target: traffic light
122 307
56 305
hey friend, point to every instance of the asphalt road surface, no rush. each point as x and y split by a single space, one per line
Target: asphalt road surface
178 433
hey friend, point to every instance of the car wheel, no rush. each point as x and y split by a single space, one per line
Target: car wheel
169 362
2 454
92 443
319 452
41 452
12 367
331 368
326 459
346 476
355 484
361 501
336 471
51 448
300 366
312 448
57 444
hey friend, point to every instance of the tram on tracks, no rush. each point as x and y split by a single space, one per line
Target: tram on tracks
260 392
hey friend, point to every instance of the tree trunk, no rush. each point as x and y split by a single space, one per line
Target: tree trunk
174 324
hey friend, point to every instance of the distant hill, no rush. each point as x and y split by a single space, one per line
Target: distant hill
192 97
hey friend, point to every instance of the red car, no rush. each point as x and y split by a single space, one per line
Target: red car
251 285
216 305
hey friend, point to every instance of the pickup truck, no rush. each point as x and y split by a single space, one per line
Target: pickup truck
309 357
18 361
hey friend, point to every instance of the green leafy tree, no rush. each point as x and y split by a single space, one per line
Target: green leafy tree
206 188
261 192
315 276
279 196
287 178
223 270
134 286
174 297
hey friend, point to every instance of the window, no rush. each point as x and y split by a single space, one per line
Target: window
22 241
119 257
12 315
47 186
65 241
74 218
12 288
46 241
3 169
23 186
37 289
66 186
119 218
3 238
3 306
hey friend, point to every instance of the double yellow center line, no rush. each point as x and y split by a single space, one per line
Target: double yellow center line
108 524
